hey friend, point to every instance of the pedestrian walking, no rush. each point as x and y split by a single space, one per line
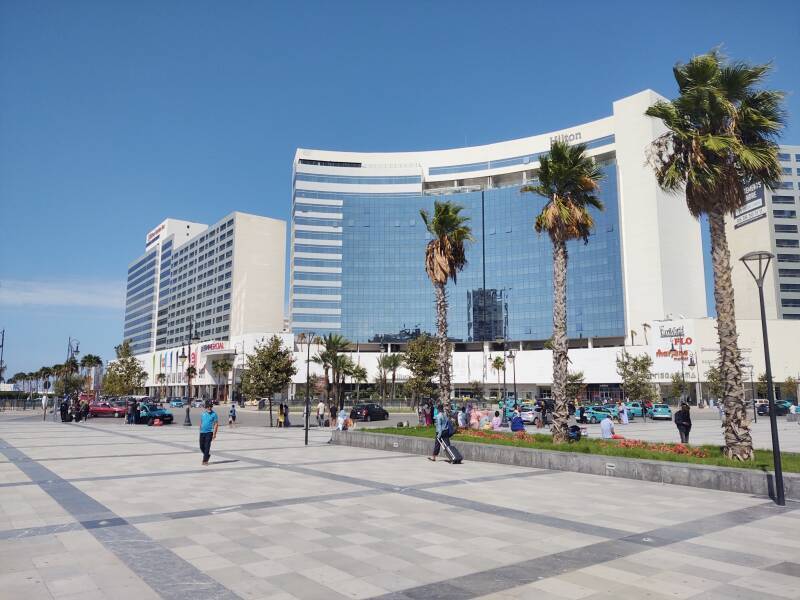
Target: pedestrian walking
209 423
443 432
64 408
232 415
320 414
683 421
623 413
286 422
280 415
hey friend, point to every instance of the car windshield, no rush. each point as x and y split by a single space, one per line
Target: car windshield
149 407
661 406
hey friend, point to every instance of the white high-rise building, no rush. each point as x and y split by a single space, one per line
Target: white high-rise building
768 221
228 278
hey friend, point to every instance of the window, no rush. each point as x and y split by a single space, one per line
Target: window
788 258
785 185
783 200
794 316
790 302
787 243
790 287
784 157
784 214
779 228
788 272
787 170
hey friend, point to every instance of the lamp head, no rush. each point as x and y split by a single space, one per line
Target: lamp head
182 356
757 262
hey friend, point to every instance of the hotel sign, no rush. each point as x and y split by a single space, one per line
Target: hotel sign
212 346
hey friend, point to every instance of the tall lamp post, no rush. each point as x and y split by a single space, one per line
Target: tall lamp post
513 356
691 366
191 336
757 263
309 338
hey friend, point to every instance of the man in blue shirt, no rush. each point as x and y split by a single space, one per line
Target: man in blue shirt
208 431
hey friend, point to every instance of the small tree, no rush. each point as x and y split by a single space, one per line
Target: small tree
715 386
69 385
678 387
125 375
575 385
269 369
789 389
499 364
359 375
637 379
761 386
421 359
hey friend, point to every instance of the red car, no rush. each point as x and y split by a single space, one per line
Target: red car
106 409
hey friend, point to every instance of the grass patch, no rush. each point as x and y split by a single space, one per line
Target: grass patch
703 455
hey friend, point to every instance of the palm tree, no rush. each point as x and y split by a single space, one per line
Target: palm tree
445 256
221 368
720 138
568 179
498 364
160 379
359 375
333 345
19 378
384 365
393 363
88 363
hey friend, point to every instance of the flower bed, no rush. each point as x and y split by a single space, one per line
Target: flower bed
628 448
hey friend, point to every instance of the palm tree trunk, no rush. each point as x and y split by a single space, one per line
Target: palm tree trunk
736 426
444 349
560 359
394 374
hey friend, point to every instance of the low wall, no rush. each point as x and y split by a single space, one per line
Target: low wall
743 481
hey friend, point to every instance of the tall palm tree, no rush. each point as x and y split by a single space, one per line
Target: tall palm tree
333 344
359 375
445 256
221 369
568 179
393 363
498 364
384 366
160 379
721 132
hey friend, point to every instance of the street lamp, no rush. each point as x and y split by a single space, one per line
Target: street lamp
757 263
309 338
191 336
513 355
691 366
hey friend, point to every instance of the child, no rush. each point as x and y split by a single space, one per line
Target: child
232 416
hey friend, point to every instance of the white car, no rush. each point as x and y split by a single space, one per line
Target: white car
527 414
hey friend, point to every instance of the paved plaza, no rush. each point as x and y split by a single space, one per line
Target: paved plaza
106 510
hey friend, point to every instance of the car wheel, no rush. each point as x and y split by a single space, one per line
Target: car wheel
593 420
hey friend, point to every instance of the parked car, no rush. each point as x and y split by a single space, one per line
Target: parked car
527 413
149 412
197 404
635 409
369 412
781 408
107 409
612 408
176 403
595 414
660 411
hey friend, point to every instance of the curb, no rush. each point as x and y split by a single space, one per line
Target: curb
726 479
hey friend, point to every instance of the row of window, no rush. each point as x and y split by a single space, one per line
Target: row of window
787 157
783 200
379 180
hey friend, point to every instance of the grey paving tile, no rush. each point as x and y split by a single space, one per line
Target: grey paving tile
786 568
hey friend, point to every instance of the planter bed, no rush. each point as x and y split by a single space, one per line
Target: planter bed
597 457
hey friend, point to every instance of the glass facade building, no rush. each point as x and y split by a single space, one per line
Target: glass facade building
358 241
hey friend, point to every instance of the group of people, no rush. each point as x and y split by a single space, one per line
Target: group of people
74 410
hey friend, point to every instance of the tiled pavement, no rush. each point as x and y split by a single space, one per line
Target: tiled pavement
105 510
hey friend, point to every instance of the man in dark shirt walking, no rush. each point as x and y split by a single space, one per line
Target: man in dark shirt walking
683 421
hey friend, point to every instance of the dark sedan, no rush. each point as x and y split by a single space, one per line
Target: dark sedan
369 412
781 408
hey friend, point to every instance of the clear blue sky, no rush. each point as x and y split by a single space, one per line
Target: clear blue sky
114 115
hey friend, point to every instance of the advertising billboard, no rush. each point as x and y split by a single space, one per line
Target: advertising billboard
753 208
